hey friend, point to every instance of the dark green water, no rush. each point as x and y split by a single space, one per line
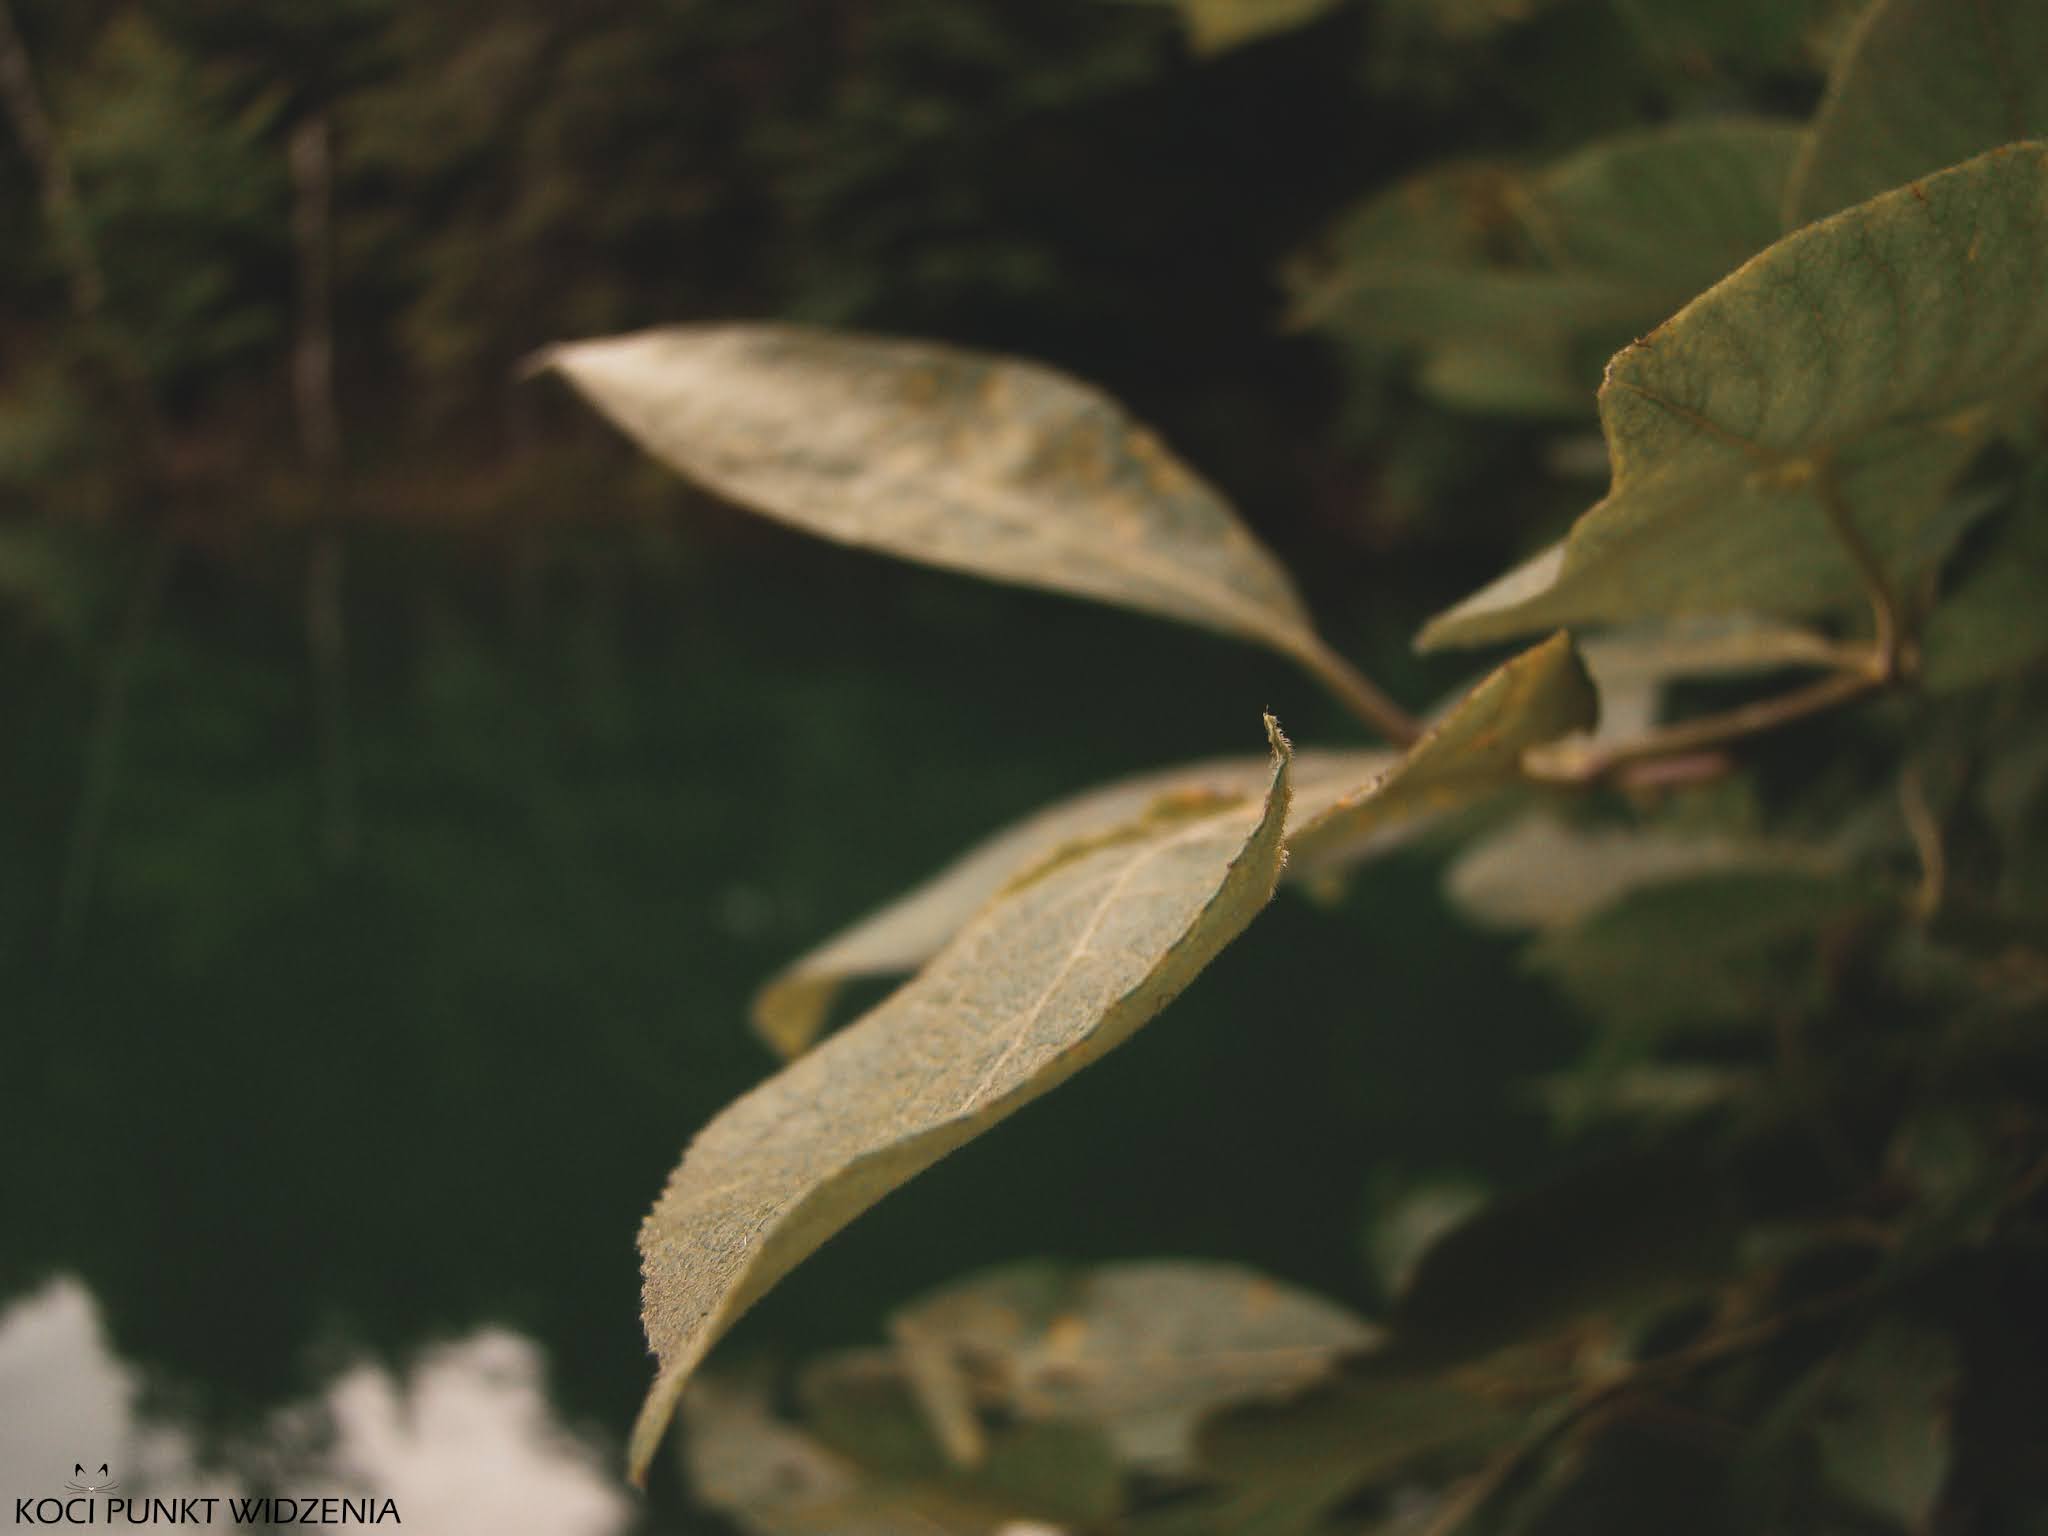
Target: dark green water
373 1131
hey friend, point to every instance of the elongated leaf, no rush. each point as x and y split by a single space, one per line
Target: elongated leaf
1142 1349
1474 751
1516 288
1923 84
1001 468
790 1011
1067 963
1859 363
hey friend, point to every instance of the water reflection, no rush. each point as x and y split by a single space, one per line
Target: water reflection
464 1442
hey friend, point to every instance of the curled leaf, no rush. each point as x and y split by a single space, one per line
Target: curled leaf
790 1012
1068 962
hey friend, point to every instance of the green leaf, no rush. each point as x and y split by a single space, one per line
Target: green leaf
1142 1350
863 1405
790 1012
1737 943
1883 1422
1922 84
1516 288
1216 26
1000 468
1068 962
1379 1418
1858 364
776 1480
1474 751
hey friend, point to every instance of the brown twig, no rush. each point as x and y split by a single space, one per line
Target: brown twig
1360 694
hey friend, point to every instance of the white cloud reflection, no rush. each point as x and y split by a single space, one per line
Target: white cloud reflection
465 1443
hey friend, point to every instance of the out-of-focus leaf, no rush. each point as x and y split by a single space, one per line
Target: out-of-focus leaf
1409 1225
1516 288
1860 363
1883 1422
1377 1419
1995 622
1068 962
1543 873
1922 84
791 1010
1737 944
1695 32
1473 751
864 1406
775 1480
1215 26
1142 1350
1000 468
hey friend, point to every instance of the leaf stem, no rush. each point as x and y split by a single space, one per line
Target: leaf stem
1582 761
1886 632
1360 694
1863 670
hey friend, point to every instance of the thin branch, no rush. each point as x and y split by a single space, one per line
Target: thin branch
1360 694
1584 761
1925 831
1887 630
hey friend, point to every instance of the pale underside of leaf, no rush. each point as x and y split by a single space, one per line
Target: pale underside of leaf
996 467
1055 972
1857 365
790 1011
1922 84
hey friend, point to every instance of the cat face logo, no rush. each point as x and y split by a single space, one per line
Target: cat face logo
99 1482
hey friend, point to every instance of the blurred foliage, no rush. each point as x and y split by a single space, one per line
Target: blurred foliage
1726 1213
